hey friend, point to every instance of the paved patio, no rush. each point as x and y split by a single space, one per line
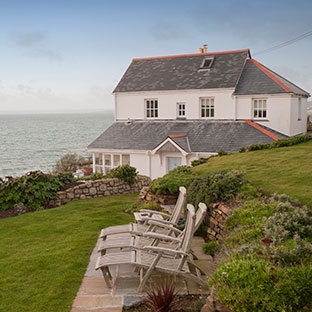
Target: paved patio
93 295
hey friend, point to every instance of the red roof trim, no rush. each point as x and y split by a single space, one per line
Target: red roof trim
194 54
261 67
285 79
177 135
268 133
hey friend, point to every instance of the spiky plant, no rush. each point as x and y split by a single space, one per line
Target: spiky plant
162 298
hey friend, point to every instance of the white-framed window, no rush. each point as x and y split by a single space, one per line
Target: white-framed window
181 110
260 108
299 108
207 107
151 107
125 159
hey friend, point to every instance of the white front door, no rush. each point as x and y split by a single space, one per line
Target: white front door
173 162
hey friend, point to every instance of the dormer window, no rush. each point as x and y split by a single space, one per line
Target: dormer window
151 108
207 63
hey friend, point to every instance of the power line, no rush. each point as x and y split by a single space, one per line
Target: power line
286 43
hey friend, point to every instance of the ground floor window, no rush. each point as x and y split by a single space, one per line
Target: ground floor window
125 159
173 162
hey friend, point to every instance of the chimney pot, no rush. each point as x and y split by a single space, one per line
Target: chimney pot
205 48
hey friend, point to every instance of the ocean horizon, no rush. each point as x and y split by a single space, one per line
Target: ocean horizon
36 141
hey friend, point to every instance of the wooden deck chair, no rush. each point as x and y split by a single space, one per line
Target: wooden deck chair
175 262
152 238
149 215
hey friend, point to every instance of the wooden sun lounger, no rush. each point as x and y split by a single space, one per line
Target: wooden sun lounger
145 216
176 262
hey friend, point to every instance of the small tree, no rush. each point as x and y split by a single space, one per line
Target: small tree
69 163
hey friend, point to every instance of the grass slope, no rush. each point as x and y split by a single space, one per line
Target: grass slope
43 255
284 170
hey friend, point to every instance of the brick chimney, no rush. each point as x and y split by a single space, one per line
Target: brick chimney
203 50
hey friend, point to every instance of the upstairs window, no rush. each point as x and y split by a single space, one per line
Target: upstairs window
259 108
151 106
181 110
207 107
207 63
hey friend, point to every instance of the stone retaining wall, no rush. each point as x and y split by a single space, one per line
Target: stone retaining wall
215 221
99 188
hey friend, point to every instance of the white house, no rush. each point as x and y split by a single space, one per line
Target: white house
171 110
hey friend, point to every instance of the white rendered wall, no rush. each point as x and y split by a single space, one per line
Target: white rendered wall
298 123
131 104
278 111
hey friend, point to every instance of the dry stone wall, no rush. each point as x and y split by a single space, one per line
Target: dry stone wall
99 188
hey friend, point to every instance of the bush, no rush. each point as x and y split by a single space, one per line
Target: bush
251 284
210 248
215 186
199 161
221 152
125 173
33 190
242 150
170 183
69 162
97 176
287 222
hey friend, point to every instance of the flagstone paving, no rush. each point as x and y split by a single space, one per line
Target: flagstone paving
93 294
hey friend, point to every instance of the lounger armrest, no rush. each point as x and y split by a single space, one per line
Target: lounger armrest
155 212
157 249
163 222
164 225
161 237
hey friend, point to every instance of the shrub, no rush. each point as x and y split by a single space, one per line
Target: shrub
210 248
251 284
125 172
287 222
259 146
199 161
69 162
170 183
221 152
33 190
242 150
219 185
162 298
97 176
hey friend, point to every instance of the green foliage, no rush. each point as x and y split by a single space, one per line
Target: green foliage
69 162
97 176
33 190
281 143
253 284
137 207
219 185
210 248
199 161
222 152
170 183
125 173
287 222
242 150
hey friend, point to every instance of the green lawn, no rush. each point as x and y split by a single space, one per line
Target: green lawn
43 255
283 170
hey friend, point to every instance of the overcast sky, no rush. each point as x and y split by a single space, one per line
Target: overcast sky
70 54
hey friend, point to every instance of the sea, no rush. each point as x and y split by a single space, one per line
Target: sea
31 142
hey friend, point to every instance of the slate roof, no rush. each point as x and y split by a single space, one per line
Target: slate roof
259 79
183 72
203 135
230 69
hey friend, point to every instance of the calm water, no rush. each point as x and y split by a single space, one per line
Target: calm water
36 142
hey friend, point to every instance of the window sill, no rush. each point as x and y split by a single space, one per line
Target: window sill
181 118
260 119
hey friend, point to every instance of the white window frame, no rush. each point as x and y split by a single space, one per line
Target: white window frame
151 108
208 108
299 108
203 63
259 108
181 110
